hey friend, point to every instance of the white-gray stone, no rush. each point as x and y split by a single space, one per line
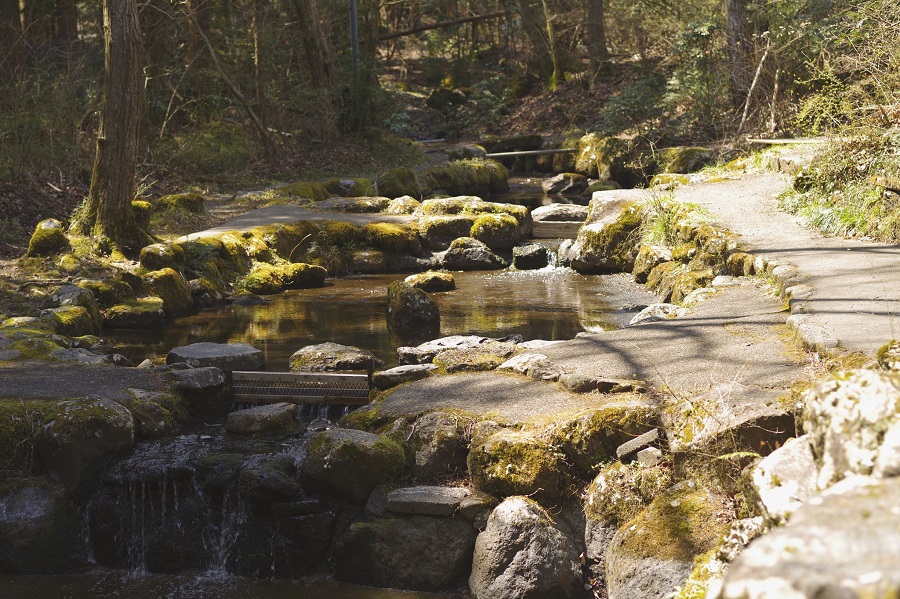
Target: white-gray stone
636 444
387 379
655 312
560 212
198 378
785 479
534 365
226 356
426 500
649 456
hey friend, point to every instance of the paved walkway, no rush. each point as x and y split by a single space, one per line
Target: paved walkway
855 284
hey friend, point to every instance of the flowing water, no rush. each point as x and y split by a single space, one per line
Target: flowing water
551 303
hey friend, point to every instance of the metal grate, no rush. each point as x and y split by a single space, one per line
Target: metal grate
262 387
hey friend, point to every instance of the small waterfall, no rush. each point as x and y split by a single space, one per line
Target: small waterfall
222 530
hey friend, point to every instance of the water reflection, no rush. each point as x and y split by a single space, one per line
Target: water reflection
546 304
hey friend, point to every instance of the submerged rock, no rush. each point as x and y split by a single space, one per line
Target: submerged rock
411 313
432 281
525 553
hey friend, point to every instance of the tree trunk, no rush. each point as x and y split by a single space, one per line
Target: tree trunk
66 23
319 53
106 215
12 53
596 35
258 68
741 60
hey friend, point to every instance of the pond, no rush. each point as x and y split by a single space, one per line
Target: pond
551 304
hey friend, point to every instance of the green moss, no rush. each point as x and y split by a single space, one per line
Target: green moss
352 188
145 313
707 568
688 281
108 292
432 281
497 231
467 177
267 279
289 241
680 524
36 348
888 355
517 463
601 186
161 255
303 189
394 238
142 211
187 202
622 491
468 360
171 287
368 418
616 242
20 427
48 238
215 258
398 182
683 159
341 232
75 321
600 156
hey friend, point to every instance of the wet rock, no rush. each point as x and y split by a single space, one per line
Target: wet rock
387 379
591 436
525 553
845 543
426 501
560 212
225 356
170 286
432 281
155 414
403 553
40 532
81 436
268 419
565 184
204 377
516 463
530 257
352 462
330 357
731 415
438 232
654 552
440 444
784 480
145 313
533 365
267 478
411 313
282 547
606 242
466 253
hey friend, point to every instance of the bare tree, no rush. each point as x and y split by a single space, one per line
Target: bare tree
596 34
106 214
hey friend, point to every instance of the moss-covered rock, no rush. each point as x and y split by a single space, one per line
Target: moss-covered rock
352 462
187 202
683 159
467 253
403 205
432 281
81 435
466 177
741 264
601 157
360 205
439 231
469 360
687 281
351 188
608 241
331 357
394 238
288 241
411 314
497 231
398 182
648 258
474 206
620 492
73 296
170 286
273 420
267 279
108 292
601 186
155 414
438 445
221 259
144 313
142 212
654 553
510 462
304 189
48 238
888 355
74 321
161 255
589 439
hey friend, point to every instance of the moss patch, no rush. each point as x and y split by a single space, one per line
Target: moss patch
267 279
108 292
146 313
169 285
497 231
467 177
48 238
621 491
394 238
187 202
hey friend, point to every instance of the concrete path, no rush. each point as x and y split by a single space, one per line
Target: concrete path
855 284
64 380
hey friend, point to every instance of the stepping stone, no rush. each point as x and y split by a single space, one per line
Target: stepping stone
428 501
226 356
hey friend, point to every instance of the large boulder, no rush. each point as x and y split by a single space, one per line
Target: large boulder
81 436
784 480
352 462
467 253
654 553
511 462
497 231
411 313
525 553
603 158
330 357
144 313
172 288
439 231
161 255
607 241
853 423
440 445
40 532
683 159
846 543
224 356
432 281
415 552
